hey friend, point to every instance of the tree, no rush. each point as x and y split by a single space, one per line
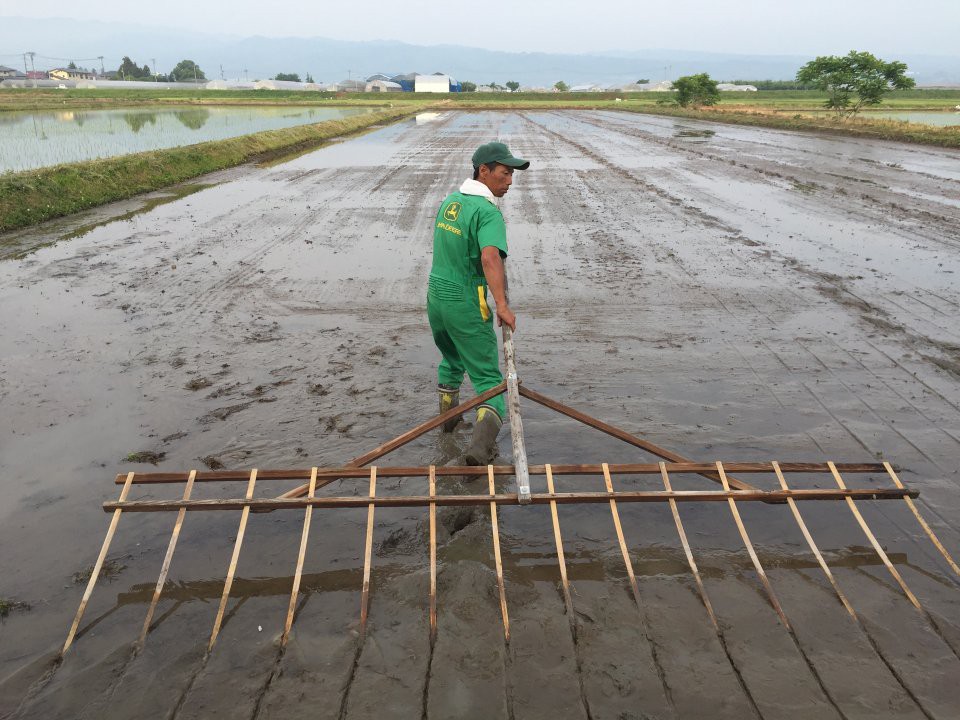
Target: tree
291 77
854 80
467 86
187 70
145 72
513 85
560 86
129 70
309 78
643 81
696 90
72 65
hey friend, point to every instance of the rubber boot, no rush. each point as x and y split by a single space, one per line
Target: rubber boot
483 446
449 398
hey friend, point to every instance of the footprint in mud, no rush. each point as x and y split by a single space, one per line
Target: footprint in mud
198 383
401 540
111 568
317 389
212 462
145 456
9 605
223 413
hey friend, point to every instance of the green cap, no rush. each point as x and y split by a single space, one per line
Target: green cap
500 153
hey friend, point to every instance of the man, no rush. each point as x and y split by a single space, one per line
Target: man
469 245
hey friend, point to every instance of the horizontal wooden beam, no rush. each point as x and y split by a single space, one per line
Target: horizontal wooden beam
423 471
268 504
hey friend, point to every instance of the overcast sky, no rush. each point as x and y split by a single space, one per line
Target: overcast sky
799 27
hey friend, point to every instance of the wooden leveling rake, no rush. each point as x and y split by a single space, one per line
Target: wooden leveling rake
303 497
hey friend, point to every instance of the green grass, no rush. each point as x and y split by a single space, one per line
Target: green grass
25 99
30 197
45 98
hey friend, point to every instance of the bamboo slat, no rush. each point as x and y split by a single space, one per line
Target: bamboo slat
168 558
623 544
97 567
496 556
328 473
511 499
768 588
558 539
301 556
923 523
873 540
813 545
367 554
231 571
687 551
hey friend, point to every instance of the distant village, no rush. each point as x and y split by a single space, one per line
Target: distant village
74 77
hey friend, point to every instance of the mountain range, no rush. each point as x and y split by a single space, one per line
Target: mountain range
57 41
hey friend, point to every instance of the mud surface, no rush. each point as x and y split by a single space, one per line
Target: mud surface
731 293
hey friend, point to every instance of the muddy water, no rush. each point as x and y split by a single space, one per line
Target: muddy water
732 293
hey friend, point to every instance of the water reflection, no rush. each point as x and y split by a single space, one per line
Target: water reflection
38 139
136 121
193 119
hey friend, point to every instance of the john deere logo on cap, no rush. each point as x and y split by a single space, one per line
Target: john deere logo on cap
452 212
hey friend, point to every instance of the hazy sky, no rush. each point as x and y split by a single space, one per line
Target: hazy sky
739 26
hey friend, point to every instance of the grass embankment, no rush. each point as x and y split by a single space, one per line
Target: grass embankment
26 99
30 99
30 197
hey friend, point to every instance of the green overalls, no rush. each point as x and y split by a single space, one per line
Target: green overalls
461 320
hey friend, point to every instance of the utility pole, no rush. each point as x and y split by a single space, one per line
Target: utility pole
102 71
245 75
154 61
221 72
26 72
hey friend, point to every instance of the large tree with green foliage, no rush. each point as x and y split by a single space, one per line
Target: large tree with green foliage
696 90
187 70
513 85
129 70
467 86
290 77
854 80
560 86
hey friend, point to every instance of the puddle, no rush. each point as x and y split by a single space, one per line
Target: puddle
686 133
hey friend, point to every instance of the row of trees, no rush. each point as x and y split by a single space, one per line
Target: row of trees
852 82
184 71
293 77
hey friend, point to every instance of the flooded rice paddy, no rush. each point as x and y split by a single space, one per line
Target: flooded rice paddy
30 140
728 292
